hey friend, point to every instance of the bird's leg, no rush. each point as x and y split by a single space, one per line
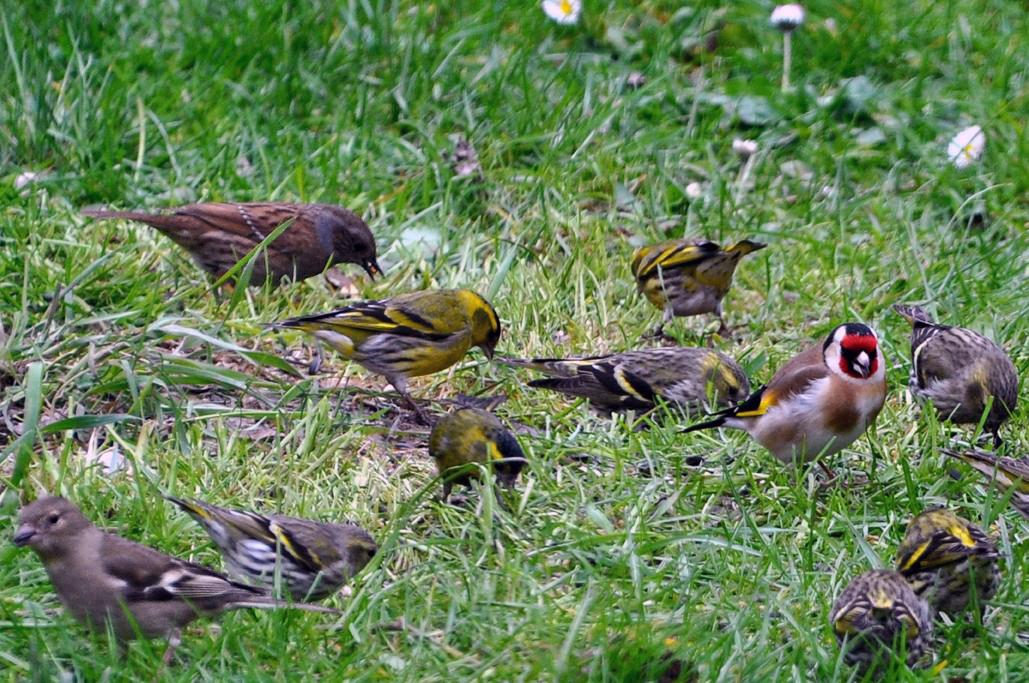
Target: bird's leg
316 359
423 417
724 330
656 333
828 472
174 640
997 441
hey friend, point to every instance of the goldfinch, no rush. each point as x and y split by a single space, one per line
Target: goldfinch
408 335
959 371
313 559
219 235
1012 475
103 579
637 380
876 616
817 404
688 277
946 558
467 437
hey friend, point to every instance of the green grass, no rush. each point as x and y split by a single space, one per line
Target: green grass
590 566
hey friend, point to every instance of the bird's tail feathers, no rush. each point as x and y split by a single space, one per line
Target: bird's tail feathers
749 407
273 603
914 314
191 507
710 424
307 323
121 215
557 367
746 246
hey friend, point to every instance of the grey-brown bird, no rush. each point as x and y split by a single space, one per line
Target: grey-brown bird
1011 474
312 559
219 235
877 615
639 380
105 579
947 559
959 371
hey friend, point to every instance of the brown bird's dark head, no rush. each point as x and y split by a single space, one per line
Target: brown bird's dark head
351 238
50 525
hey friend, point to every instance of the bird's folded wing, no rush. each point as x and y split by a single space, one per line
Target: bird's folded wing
150 575
377 317
779 389
253 221
312 555
619 382
682 255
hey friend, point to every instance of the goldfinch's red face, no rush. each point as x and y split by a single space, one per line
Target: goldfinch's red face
852 350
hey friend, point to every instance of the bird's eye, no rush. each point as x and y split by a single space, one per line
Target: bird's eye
53 518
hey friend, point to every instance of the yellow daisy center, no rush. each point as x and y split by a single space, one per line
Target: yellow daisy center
566 7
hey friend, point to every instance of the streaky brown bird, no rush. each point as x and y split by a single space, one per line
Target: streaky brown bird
218 235
948 561
639 380
103 579
312 559
1010 474
876 616
959 371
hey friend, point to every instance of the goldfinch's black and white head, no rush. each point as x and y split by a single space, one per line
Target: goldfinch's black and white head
852 352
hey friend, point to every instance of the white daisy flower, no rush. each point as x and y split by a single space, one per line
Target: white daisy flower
744 148
564 12
967 147
787 17
694 191
25 179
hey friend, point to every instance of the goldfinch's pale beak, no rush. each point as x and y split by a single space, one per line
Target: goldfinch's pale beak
863 363
23 535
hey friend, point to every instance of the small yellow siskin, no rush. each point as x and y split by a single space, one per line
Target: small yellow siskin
637 380
313 559
946 559
408 335
688 277
877 615
468 437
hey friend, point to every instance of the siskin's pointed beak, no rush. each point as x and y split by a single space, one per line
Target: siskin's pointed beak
371 267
